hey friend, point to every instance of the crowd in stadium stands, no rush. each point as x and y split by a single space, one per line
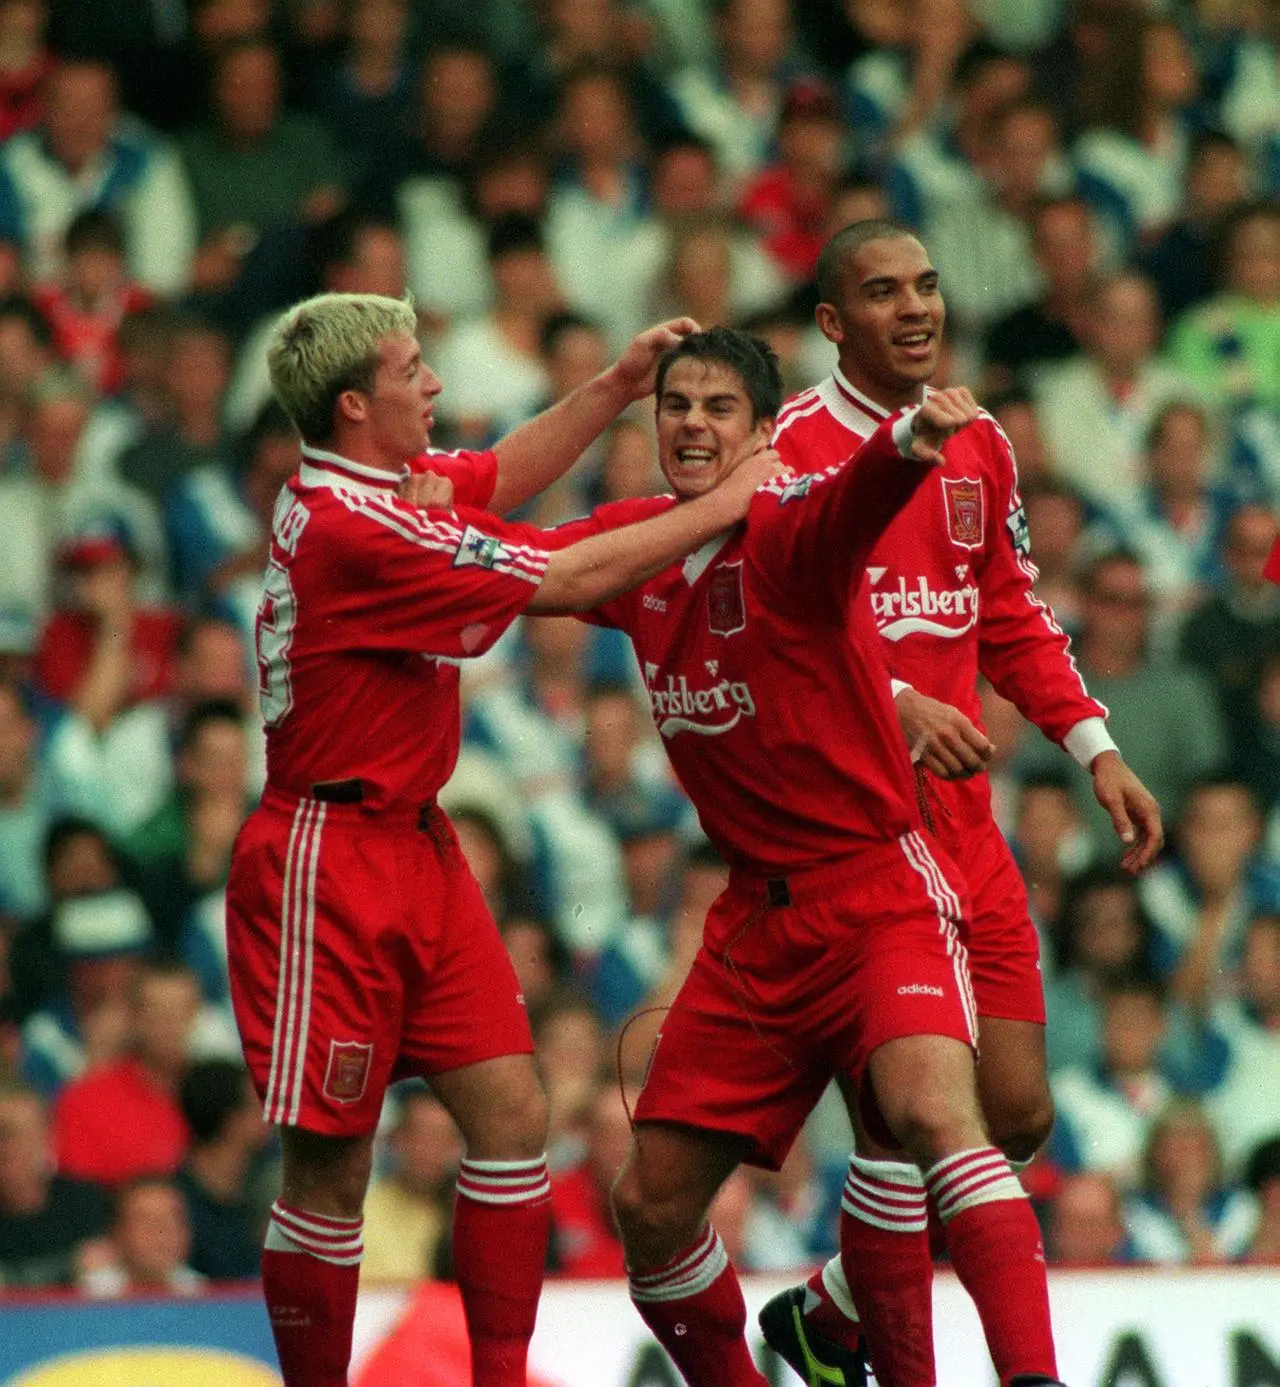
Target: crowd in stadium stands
1097 182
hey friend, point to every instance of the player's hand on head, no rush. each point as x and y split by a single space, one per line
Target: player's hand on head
943 413
1134 812
427 490
940 737
637 367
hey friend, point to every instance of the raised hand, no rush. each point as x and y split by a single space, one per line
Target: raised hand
637 367
427 490
943 413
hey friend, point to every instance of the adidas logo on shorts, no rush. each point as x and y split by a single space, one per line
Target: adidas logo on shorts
920 989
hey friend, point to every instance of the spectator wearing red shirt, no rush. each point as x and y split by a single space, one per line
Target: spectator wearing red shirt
86 305
789 202
122 1119
102 650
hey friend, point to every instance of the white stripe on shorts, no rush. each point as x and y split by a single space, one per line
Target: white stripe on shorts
947 904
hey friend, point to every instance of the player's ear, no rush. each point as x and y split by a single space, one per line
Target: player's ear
828 321
353 405
764 429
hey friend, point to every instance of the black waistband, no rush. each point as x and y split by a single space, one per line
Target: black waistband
339 791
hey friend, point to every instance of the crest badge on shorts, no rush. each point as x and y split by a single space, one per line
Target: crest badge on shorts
726 606
965 518
348 1070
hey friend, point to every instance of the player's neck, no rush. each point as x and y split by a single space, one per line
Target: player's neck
886 397
359 448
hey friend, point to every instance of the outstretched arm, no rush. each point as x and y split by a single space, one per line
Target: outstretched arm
544 449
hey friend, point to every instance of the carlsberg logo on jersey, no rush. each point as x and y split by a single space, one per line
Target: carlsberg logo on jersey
914 608
708 711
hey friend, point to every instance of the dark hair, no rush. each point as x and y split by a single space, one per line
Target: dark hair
69 826
833 259
1136 982
335 240
19 306
560 323
94 229
1117 554
1065 929
1263 1165
201 714
513 231
208 1093
752 358
271 421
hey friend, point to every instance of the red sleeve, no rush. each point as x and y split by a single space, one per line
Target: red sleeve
1272 568
474 475
817 530
444 583
1021 648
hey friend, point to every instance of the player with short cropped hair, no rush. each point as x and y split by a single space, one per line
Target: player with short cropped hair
950 590
837 947
359 945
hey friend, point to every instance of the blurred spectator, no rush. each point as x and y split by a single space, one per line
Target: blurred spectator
1096 408
1085 1227
26 352
1105 1114
1243 1106
1008 732
789 201
150 1243
1183 260
25 64
408 1211
48 1221
540 961
59 496
121 1119
1262 1179
1176 525
484 844
1048 840
195 381
85 306
228 1135
1184 1212
259 175
1228 637
491 361
573 1058
1014 410
629 465
1101 933
1229 345
1203 896
85 154
181 853
1257 756
584 1240
733 102
1134 158
27 805
99 940
1164 715
1064 244
754 1233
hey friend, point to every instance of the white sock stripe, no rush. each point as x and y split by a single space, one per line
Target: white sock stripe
980 1190
687 1260
697 1278
890 1224
837 1287
888 1172
288 1233
973 1177
979 1160
318 1225
878 1189
535 1162
887 1202
533 1194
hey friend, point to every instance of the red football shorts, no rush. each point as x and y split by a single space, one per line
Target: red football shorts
782 997
360 951
1004 948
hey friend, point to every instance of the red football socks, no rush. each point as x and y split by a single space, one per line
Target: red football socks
502 1219
310 1273
884 1250
995 1248
695 1310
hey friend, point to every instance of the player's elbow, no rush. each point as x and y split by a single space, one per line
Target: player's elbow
568 585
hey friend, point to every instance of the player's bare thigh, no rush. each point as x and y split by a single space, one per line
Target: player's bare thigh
1013 1084
499 1105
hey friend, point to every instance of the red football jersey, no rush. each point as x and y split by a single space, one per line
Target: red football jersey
780 727
367 605
950 580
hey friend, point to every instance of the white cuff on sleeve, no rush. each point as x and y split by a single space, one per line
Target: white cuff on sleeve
897 686
1087 739
902 430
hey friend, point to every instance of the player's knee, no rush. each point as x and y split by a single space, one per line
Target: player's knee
653 1227
1020 1123
934 1123
518 1124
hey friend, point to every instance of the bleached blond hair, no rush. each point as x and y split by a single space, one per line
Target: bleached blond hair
327 344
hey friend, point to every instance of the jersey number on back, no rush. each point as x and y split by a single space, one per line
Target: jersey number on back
277 614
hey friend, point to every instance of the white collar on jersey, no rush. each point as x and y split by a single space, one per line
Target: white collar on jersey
700 560
851 407
321 468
